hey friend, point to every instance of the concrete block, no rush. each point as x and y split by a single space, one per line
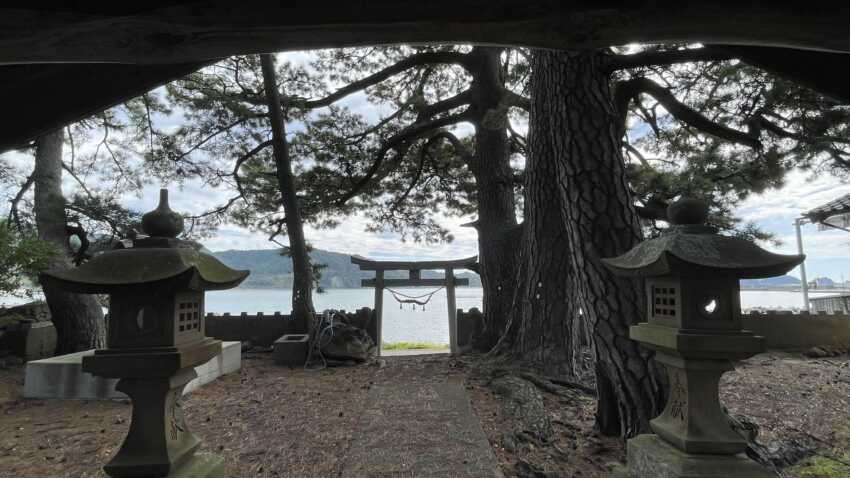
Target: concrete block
651 457
32 340
62 377
291 349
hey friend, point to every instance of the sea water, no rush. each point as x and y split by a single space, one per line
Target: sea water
401 322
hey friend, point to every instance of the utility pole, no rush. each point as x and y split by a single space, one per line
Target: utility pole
797 223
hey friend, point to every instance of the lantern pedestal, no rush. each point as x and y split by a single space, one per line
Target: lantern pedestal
651 456
158 442
693 438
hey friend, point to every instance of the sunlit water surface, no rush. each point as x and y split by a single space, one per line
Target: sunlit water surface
403 323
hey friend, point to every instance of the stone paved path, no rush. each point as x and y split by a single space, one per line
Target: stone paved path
421 427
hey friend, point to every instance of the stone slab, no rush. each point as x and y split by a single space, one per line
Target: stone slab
202 465
62 377
413 352
424 428
651 457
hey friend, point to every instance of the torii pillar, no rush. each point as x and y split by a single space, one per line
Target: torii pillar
415 279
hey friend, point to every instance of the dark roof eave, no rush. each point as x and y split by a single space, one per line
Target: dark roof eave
669 264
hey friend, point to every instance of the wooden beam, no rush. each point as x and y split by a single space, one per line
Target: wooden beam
154 32
37 99
458 281
824 72
367 264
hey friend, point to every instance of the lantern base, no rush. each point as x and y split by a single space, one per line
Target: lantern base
649 456
202 465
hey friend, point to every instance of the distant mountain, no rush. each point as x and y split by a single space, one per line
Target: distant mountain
823 282
770 282
269 269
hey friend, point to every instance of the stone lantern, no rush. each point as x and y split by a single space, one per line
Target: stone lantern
155 338
694 324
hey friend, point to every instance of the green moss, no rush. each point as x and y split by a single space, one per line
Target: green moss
822 467
412 346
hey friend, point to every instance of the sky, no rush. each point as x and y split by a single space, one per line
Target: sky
827 252
774 211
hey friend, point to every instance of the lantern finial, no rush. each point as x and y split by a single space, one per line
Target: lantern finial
162 221
687 211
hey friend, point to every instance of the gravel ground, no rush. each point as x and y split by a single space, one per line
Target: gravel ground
269 421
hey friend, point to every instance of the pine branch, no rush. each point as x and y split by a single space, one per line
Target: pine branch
519 101
420 59
668 57
13 209
631 88
412 132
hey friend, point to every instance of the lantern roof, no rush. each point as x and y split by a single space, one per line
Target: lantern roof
157 260
689 247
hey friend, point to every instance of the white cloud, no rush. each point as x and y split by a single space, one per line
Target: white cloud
828 252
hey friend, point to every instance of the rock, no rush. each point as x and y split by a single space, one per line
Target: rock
744 426
347 343
780 454
36 311
509 442
523 401
525 469
776 454
817 352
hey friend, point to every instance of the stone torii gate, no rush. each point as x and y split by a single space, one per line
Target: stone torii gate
414 279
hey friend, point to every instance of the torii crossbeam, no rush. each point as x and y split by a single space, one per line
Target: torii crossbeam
414 279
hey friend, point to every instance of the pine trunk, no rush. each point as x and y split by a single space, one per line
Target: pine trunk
525 271
544 315
78 318
302 270
573 114
496 224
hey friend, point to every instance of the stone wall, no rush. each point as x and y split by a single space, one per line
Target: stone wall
258 329
784 330
469 323
26 333
261 329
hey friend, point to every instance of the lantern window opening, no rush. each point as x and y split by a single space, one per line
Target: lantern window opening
664 300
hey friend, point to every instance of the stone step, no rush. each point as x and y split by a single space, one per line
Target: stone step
424 428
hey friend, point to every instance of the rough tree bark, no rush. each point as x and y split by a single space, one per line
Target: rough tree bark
525 271
78 318
490 165
574 118
543 319
302 270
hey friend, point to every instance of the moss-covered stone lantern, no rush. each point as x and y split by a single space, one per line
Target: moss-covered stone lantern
692 276
156 287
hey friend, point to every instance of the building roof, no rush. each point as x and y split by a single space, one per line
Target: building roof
103 53
832 208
